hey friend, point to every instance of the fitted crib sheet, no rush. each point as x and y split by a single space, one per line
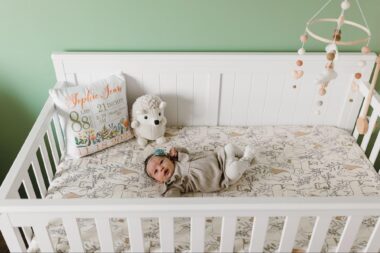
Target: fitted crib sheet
291 161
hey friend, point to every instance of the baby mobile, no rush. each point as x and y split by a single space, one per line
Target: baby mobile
332 52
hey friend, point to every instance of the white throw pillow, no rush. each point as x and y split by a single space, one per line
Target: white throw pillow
93 117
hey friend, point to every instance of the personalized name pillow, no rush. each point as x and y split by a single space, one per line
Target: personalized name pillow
93 117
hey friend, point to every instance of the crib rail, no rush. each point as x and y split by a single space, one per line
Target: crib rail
38 213
37 159
372 136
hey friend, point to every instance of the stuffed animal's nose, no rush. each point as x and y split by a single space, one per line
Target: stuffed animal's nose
156 122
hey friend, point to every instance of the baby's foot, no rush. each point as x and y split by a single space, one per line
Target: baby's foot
233 151
249 153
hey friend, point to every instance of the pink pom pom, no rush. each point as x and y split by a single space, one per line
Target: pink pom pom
366 50
303 38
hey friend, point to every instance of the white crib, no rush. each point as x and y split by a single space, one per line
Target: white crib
200 89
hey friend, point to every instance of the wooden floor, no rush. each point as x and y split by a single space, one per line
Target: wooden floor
3 246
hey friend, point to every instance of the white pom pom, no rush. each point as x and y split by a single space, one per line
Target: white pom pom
361 63
301 51
345 5
326 76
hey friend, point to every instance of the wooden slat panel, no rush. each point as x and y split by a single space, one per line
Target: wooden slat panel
73 234
273 99
28 234
135 234
168 90
71 78
226 98
197 234
185 92
375 150
59 133
83 78
349 233
319 233
104 234
289 234
151 83
43 238
305 100
227 237
37 172
257 98
371 126
53 147
46 160
214 99
288 101
240 101
259 232
373 244
135 88
167 234
11 235
28 187
200 103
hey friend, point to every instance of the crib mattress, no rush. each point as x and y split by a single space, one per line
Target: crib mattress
291 161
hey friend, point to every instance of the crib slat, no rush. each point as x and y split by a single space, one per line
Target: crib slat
28 234
349 233
59 133
45 158
227 237
43 238
259 232
53 147
375 150
104 234
135 234
373 244
73 234
289 233
319 233
37 172
11 235
27 230
371 125
29 187
167 234
197 236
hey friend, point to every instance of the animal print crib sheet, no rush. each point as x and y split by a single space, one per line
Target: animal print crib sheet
291 161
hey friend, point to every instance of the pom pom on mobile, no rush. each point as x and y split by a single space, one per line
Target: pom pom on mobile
332 52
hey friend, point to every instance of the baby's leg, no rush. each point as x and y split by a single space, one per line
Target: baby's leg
236 168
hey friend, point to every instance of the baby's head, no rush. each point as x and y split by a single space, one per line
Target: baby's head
159 166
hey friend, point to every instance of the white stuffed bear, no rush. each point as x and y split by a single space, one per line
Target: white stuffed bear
148 120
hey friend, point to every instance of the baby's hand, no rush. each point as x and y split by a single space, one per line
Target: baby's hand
173 153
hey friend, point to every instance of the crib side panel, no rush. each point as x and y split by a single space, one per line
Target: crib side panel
228 88
35 165
370 141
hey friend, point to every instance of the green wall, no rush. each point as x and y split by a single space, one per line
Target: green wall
32 29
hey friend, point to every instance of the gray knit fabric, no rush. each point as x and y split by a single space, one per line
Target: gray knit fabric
202 172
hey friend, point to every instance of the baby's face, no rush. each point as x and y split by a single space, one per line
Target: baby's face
160 168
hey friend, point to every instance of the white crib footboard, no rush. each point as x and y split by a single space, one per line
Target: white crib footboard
38 213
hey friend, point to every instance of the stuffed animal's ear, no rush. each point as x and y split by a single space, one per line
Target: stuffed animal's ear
162 105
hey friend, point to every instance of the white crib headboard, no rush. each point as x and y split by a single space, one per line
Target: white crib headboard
228 88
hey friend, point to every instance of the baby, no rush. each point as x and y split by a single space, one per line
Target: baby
182 172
